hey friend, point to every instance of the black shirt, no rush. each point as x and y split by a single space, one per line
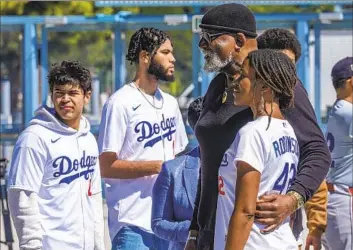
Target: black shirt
215 131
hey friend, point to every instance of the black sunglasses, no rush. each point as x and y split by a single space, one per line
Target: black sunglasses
209 37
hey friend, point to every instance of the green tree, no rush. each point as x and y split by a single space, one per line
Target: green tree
94 48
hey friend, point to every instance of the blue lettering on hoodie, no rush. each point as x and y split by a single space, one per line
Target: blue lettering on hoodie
71 169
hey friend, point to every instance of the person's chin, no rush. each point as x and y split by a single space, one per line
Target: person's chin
168 78
67 116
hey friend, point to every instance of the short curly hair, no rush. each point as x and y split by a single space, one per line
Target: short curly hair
280 39
70 72
148 39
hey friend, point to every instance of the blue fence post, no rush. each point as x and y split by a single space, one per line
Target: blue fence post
95 97
119 59
196 59
317 106
44 61
30 73
302 32
196 65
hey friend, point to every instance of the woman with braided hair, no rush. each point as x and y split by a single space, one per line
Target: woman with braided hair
263 157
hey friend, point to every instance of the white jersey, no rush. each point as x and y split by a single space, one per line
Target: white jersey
274 153
339 138
61 165
136 131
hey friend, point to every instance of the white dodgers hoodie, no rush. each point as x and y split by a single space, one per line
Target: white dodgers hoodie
60 166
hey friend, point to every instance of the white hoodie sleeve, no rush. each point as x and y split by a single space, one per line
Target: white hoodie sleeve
98 222
28 163
25 215
24 181
96 190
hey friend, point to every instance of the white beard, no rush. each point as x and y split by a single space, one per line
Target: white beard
213 63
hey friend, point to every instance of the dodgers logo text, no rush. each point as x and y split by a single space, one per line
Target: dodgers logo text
153 133
73 169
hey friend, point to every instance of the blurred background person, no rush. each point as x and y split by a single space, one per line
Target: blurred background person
339 136
174 192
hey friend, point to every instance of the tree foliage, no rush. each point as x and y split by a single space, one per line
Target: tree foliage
94 48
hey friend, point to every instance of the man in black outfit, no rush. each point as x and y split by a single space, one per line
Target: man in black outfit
228 35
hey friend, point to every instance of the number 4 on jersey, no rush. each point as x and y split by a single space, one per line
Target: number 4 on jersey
282 183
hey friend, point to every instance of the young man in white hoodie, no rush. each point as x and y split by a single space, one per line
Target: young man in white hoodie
54 179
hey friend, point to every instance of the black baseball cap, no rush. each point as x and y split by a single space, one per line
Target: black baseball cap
343 69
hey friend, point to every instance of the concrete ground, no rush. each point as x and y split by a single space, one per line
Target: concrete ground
107 238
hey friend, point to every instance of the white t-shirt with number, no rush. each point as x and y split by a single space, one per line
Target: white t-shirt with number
137 131
275 154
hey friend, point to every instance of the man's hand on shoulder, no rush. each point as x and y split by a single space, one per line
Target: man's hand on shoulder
273 209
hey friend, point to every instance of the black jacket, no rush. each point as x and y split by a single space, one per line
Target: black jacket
215 131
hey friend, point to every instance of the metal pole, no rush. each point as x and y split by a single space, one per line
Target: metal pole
302 32
196 67
44 60
317 106
95 97
30 73
119 52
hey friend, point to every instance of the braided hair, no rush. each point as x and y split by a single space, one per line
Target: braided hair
148 39
277 72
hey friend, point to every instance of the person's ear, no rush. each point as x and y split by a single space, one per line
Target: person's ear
144 57
350 82
265 88
87 97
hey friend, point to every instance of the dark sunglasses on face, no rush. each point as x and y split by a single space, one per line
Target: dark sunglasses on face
209 37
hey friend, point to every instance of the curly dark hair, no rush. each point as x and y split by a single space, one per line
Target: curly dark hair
277 72
148 39
70 72
280 39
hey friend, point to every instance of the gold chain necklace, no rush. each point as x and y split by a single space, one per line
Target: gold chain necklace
144 96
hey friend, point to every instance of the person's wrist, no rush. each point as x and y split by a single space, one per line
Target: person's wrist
193 235
316 232
297 198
